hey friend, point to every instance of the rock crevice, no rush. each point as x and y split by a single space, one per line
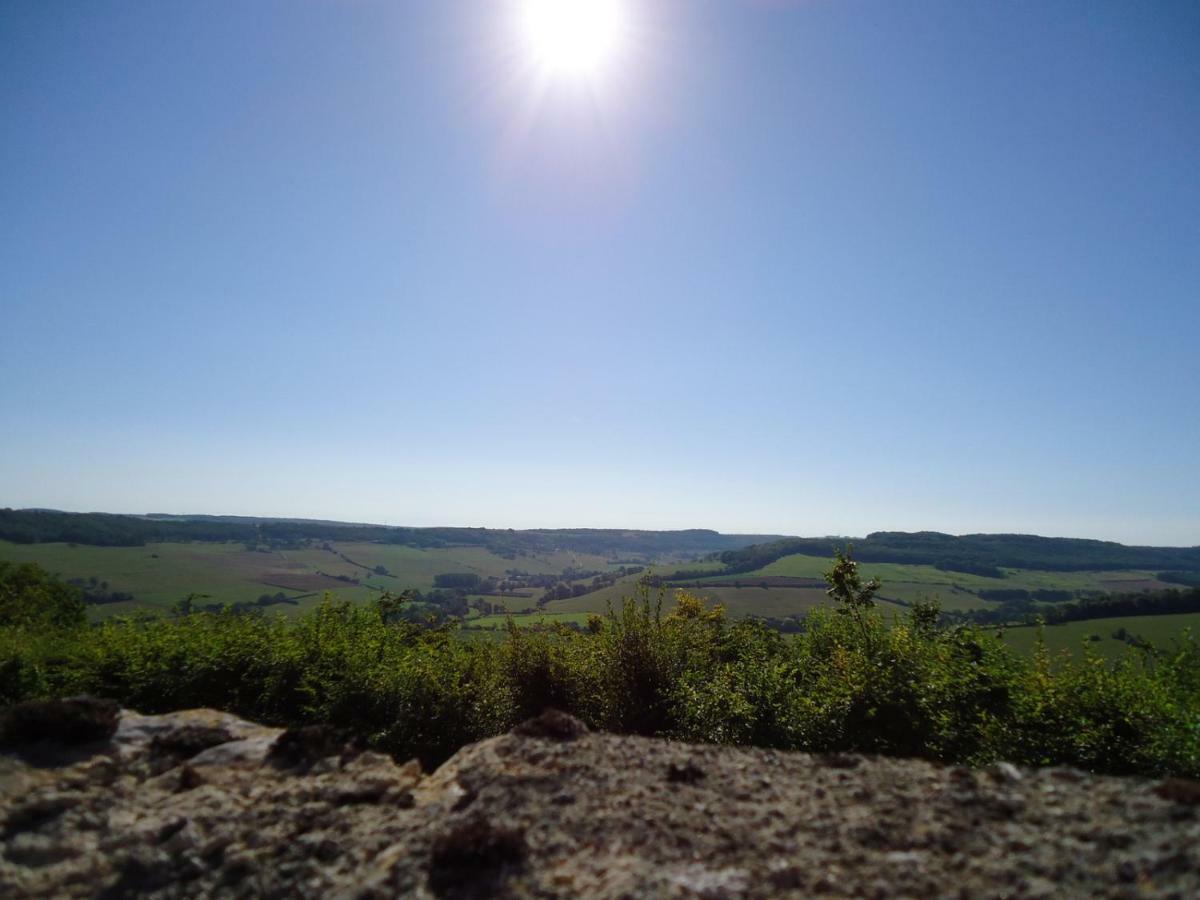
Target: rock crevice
96 801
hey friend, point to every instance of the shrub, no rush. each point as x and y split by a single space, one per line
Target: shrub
848 681
31 599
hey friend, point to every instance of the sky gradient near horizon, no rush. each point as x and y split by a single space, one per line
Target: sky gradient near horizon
815 267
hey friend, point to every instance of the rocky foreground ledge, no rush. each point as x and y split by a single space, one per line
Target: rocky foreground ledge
95 801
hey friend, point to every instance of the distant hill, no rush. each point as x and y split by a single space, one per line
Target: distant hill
980 554
27 526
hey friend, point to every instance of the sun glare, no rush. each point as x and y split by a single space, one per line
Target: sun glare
573 38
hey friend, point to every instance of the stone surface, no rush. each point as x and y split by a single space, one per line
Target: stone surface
200 803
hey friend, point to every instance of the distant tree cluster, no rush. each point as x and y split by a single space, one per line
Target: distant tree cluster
32 526
1026 611
191 605
103 530
348 579
96 593
467 582
981 554
273 599
564 591
430 609
579 583
1191 579
1008 595
1128 637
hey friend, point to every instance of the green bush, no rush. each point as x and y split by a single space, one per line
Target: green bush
1138 715
30 599
849 681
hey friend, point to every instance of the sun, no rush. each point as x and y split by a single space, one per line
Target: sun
573 38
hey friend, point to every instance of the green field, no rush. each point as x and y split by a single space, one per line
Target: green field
800 566
598 601
416 568
772 602
159 575
906 583
1072 636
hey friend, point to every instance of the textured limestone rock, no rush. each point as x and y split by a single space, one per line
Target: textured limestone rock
200 803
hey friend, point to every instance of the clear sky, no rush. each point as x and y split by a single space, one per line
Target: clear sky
819 267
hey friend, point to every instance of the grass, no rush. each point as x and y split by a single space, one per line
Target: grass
597 601
706 566
159 575
1071 637
910 583
954 590
772 602
949 596
415 568
801 566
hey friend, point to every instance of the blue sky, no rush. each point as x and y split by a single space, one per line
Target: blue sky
805 267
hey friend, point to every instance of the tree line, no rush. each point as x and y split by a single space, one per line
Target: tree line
978 554
1025 611
33 526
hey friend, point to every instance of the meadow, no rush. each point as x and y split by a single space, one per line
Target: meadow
913 583
803 566
1072 637
159 575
